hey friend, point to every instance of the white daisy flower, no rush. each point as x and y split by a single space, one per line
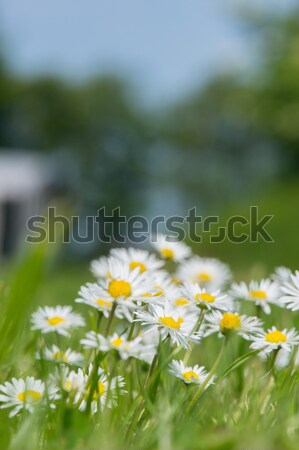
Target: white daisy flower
55 354
261 293
274 339
290 292
100 267
209 273
188 374
21 394
281 275
70 381
93 295
227 322
176 298
57 318
176 324
125 286
100 397
162 288
206 300
136 258
174 251
126 349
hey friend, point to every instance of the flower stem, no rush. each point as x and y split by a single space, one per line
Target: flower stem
110 318
209 377
131 332
197 327
152 368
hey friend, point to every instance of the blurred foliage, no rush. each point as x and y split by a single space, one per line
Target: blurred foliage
222 143
95 126
255 260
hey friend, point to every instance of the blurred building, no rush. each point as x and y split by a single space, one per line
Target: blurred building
25 180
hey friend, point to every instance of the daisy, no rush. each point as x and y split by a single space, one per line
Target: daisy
281 275
176 298
188 375
290 290
57 318
126 349
206 300
21 394
209 273
227 322
92 295
178 325
170 250
136 258
100 267
125 286
100 397
162 288
55 354
275 339
261 293
70 381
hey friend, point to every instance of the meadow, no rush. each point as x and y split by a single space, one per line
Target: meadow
119 387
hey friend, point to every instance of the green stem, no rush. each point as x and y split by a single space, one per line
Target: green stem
258 311
209 377
110 318
139 406
152 368
197 327
131 332
99 320
272 361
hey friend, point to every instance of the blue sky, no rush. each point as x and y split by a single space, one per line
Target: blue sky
165 46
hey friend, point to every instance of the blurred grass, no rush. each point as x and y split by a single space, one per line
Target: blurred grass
250 259
62 282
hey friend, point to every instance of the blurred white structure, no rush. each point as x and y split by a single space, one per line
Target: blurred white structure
24 181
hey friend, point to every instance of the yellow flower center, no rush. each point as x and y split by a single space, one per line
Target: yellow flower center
176 280
104 303
140 265
203 276
29 396
119 288
101 387
230 321
205 297
171 322
275 337
101 390
258 294
68 385
182 301
167 253
157 293
60 356
190 375
117 342
55 320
